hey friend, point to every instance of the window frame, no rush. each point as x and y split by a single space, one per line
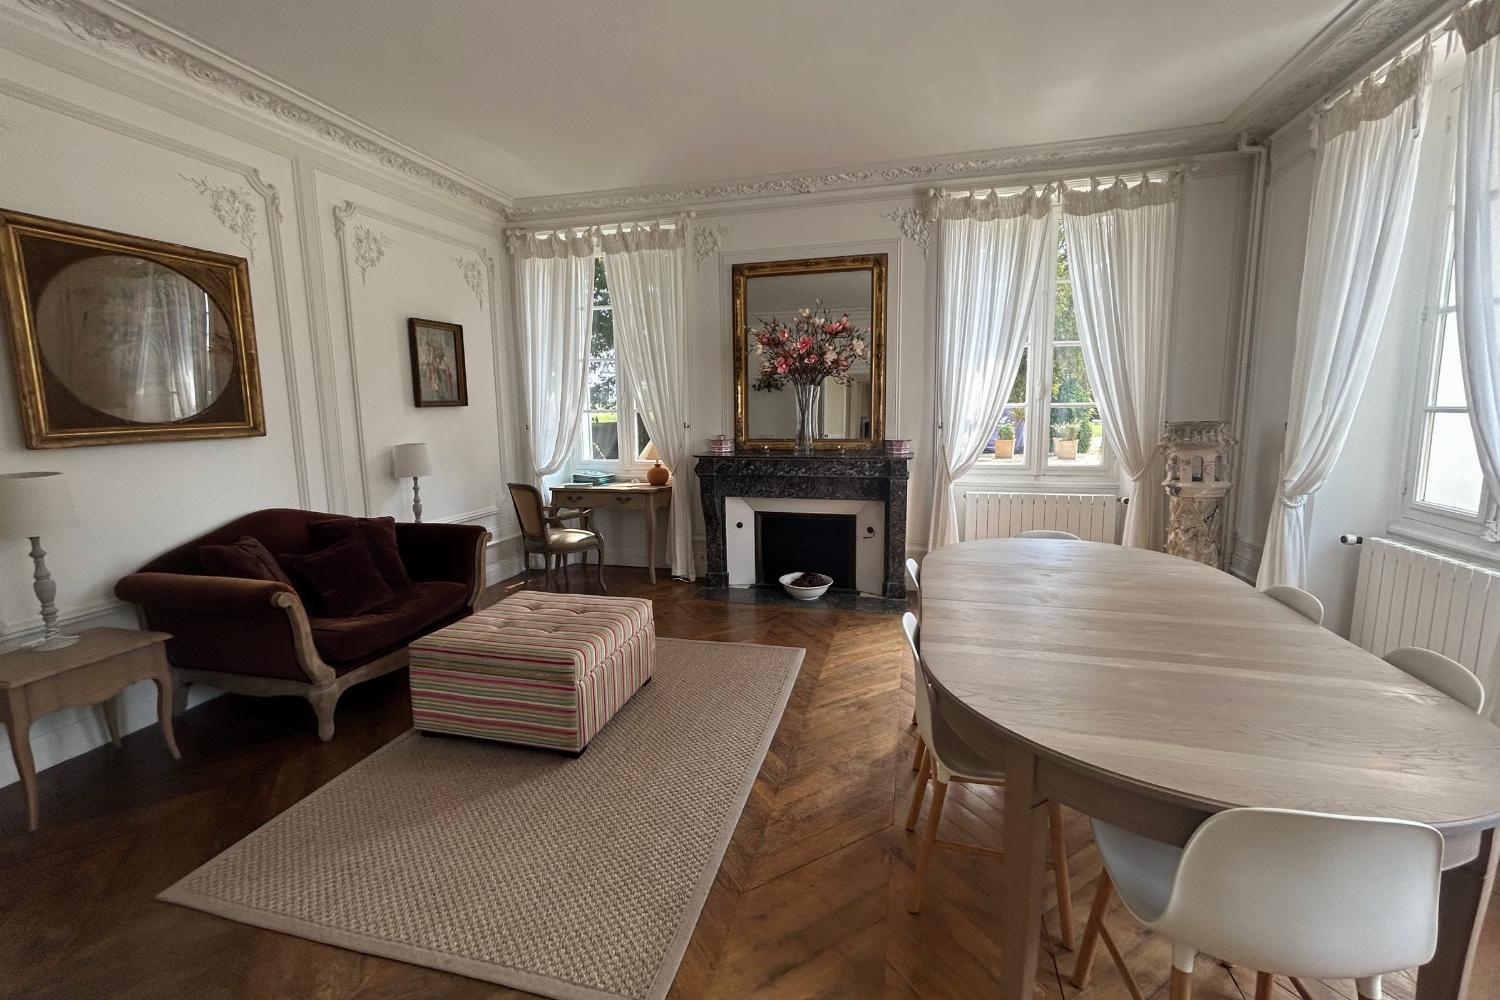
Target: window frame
1415 518
1036 472
627 413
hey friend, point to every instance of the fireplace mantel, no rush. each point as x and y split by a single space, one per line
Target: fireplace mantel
838 476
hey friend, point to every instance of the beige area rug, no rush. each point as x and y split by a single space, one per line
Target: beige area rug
579 879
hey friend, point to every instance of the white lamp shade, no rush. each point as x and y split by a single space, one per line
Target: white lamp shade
35 503
410 460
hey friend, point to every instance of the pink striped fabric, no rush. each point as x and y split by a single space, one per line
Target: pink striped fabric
539 669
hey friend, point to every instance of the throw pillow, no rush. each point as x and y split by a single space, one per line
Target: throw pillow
378 535
341 578
246 559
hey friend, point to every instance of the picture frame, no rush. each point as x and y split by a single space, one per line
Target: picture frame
121 339
438 375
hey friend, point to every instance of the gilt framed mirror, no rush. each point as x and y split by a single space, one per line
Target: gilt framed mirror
816 322
119 339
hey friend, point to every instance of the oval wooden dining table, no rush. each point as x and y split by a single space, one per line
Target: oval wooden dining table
1151 692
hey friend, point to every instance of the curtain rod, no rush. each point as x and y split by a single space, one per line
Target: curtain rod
1442 29
667 222
1180 169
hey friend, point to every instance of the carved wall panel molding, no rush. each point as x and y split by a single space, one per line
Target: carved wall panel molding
706 241
473 272
233 208
915 224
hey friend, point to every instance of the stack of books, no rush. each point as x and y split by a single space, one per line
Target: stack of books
593 478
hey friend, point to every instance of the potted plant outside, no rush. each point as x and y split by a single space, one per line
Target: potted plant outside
1005 441
1065 444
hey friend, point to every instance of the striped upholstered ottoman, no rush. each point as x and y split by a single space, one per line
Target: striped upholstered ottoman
541 669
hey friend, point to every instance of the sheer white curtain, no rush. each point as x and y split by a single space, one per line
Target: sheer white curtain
1474 224
554 293
995 251
1362 194
1122 242
644 266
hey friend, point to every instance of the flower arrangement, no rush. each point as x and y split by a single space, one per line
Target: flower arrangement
812 348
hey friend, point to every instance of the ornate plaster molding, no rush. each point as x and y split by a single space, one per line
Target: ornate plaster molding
473 272
234 209
91 25
915 225
706 241
367 246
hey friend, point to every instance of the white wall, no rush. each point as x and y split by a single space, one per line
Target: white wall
1206 317
109 144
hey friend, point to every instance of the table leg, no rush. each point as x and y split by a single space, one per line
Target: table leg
111 707
164 694
1021 892
18 726
651 534
1465 895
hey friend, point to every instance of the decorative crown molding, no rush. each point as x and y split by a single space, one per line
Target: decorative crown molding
92 25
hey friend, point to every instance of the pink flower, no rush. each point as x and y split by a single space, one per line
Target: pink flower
783 333
811 359
858 346
831 356
805 343
781 366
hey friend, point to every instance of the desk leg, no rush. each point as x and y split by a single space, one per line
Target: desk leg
111 707
651 534
164 694
1465 895
1021 892
18 726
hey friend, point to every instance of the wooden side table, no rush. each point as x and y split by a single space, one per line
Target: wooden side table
94 670
620 496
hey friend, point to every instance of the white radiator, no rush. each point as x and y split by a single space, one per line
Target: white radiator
1090 516
1408 597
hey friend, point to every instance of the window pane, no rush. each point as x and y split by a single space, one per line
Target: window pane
1062 254
1075 437
604 393
1018 391
601 287
1007 446
1449 390
604 436
1064 321
1452 477
1070 382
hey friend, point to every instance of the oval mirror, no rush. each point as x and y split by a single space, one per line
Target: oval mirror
134 339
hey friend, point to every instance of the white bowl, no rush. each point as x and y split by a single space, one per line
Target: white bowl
803 593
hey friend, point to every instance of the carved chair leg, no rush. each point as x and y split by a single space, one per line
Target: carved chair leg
598 568
324 702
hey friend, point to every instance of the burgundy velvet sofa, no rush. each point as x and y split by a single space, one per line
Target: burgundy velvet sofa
259 637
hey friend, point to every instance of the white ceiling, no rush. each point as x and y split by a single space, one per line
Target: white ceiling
543 97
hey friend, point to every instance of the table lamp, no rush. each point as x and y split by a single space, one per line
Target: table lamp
413 461
31 504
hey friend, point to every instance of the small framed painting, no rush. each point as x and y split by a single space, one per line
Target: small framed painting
437 363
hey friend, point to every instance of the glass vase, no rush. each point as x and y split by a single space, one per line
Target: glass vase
807 415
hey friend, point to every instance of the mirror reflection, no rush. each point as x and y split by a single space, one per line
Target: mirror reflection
134 339
788 304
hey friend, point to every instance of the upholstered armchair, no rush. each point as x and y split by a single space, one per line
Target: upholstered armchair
544 530
262 637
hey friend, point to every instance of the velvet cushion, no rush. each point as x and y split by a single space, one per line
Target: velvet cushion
379 536
341 580
413 612
246 559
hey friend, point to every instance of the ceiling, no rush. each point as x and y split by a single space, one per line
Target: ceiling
545 97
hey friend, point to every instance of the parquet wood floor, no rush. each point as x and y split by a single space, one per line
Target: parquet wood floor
809 903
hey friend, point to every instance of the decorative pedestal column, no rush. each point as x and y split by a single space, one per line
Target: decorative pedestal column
1197 483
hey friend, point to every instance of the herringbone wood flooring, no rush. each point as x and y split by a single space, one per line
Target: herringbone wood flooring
809 903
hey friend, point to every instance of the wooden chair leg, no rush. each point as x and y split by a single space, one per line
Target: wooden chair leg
923 773
1128 977
1302 991
916 762
1083 965
1182 984
928 846
1265 985
1060 874
599 570
547 561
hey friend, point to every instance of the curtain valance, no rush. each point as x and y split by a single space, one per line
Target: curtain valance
523 245
1033 202
1121 194
1477 23
1374 100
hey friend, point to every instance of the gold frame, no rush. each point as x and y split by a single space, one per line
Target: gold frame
227 283
876 264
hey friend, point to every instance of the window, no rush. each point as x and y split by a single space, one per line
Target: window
1443 495
1051 425
611 425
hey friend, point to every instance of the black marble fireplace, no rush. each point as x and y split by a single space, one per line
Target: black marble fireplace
823 476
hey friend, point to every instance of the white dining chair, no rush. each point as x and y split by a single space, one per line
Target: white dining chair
1049 533
1305 604
1282 892
949 759
912 570
1441 673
